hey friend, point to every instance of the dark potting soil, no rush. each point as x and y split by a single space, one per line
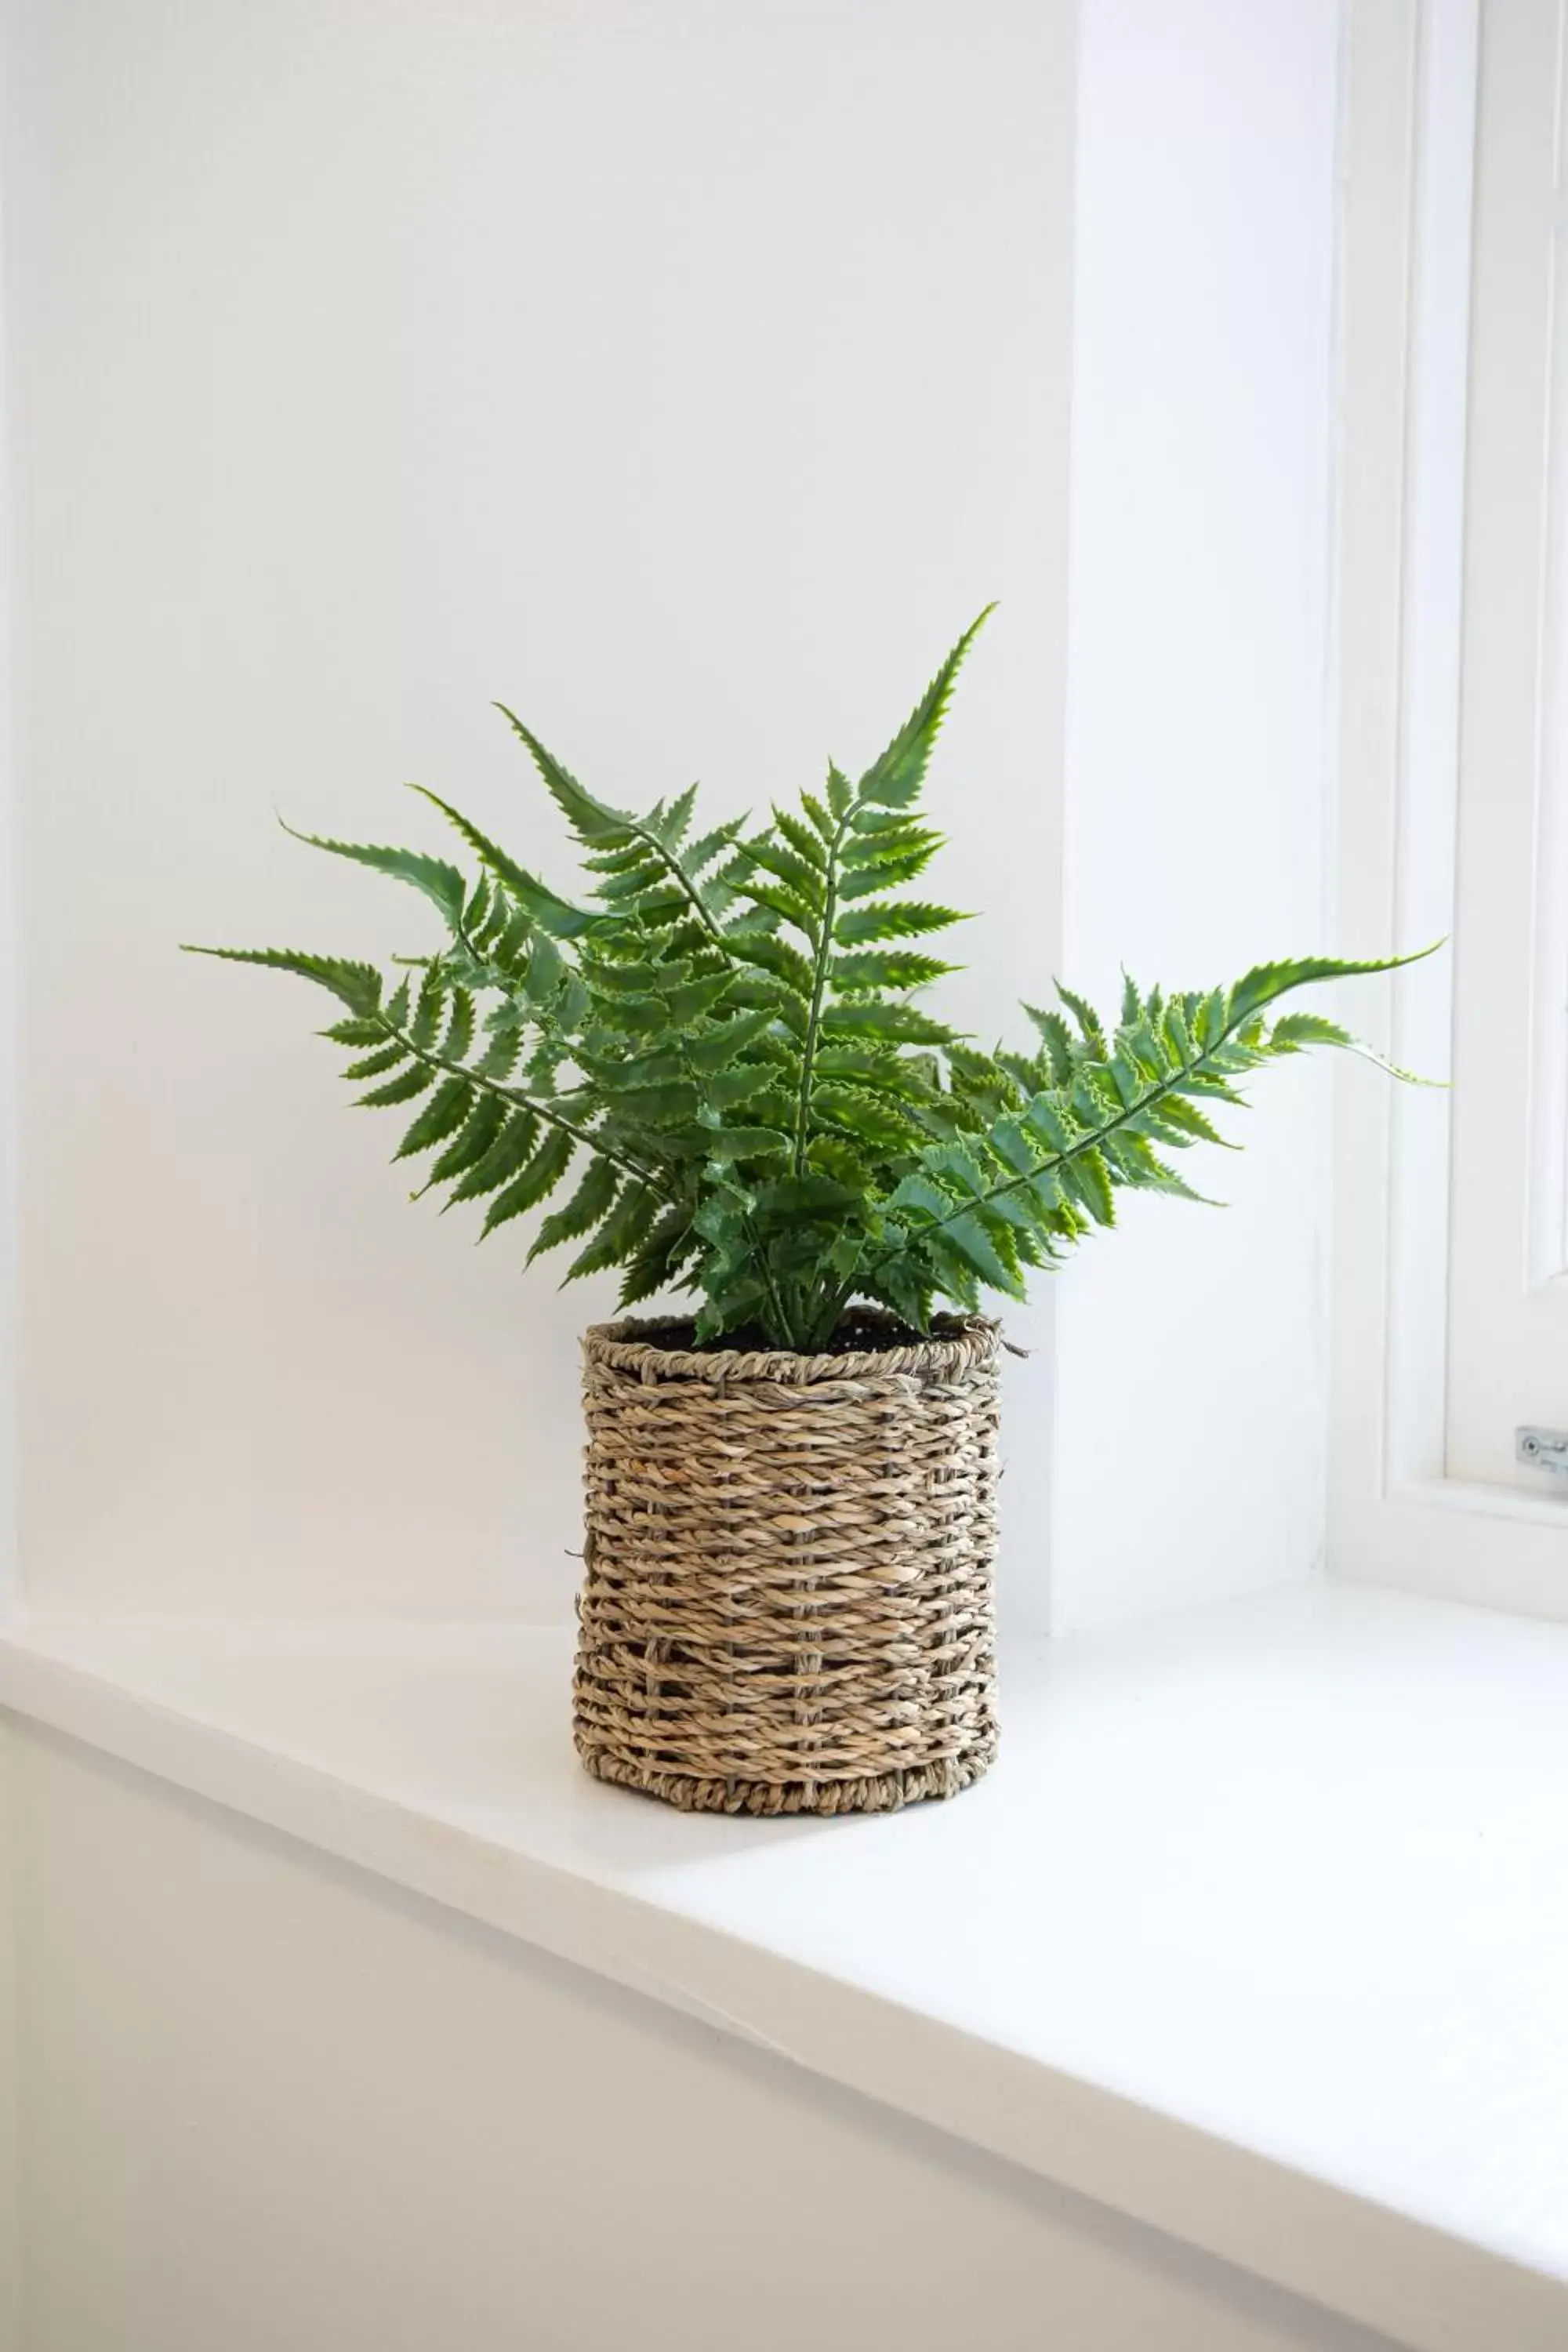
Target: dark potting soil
856 1335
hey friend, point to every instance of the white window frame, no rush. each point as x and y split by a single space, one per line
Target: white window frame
1410 87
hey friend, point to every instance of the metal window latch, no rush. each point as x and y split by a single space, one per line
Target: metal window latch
1543 1449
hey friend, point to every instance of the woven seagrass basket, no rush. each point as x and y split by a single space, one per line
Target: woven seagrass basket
788 1604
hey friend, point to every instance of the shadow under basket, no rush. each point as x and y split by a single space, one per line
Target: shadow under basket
788 1599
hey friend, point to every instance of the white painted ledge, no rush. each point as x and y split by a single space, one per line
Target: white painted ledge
1257 1933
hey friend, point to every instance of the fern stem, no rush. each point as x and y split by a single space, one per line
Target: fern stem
826 1322
678 876
1089 1141
541 1109
783 1330
818 989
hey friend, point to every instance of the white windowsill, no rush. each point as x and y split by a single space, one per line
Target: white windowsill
1258 1932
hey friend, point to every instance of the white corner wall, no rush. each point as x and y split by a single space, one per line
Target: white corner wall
1191 1347
686 376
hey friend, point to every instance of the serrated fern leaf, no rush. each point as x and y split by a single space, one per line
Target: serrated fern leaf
803 838
375 1066
1295 1030
659 1257
1088 1020
535 1182
535 899
622 1235
469 1147
892 919
894 780
591 819
429 1006
357 985
654 842
805 879
717 1047
968 1236
1266 982
415 1081
442 884
501 1157
591 1200
442 1115
877 1018
460 1036
674 825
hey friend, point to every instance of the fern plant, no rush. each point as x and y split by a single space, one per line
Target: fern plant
717 1068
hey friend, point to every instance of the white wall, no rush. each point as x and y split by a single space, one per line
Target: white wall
687 376
10 2058
9 963
285 2105
10 2047
1191 1349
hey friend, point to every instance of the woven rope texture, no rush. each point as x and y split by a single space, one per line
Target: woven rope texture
787 1605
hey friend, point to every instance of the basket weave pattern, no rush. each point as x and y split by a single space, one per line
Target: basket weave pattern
787 1605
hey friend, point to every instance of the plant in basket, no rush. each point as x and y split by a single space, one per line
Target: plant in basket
720 1071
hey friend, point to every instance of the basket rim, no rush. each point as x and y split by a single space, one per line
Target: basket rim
956 1345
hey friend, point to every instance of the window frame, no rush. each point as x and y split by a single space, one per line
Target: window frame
1396 1517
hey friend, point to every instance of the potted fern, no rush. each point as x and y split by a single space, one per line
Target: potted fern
717 1070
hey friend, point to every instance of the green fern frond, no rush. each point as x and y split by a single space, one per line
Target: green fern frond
721 1046
442 1115
892 919
894 780
442 884
534 899
534 1182
357 985
641 858
592 1200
